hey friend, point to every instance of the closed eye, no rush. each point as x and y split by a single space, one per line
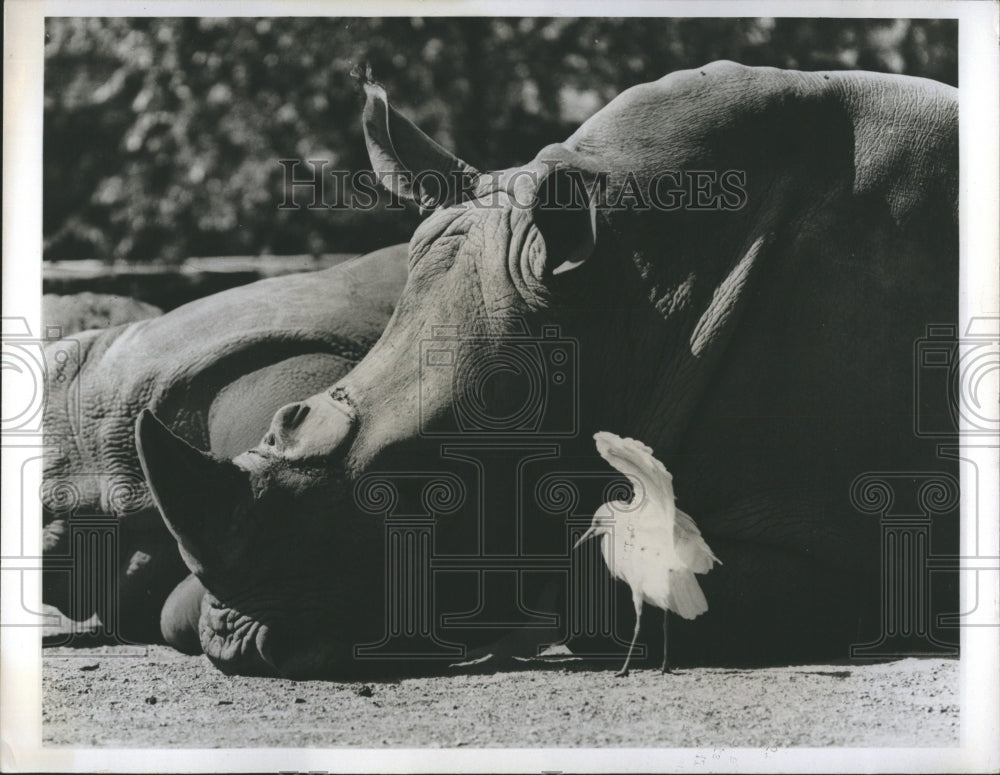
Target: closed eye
443 227
447 243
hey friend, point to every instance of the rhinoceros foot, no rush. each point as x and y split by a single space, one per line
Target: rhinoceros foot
180 615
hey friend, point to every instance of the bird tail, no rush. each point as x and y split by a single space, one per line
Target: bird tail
686 597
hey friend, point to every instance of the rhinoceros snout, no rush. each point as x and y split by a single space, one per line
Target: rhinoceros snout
317 426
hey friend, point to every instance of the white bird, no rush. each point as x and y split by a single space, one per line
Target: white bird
648 542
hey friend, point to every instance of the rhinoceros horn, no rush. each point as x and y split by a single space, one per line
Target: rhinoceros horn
194 491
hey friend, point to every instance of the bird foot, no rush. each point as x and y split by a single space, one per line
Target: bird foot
623 673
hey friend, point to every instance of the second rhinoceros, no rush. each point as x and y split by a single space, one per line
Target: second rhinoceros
84 311
743 297
215 370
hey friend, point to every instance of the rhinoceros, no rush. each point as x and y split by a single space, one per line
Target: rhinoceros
83 311
750 317
215 370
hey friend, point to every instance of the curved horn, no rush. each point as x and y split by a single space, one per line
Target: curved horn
197 494
406 161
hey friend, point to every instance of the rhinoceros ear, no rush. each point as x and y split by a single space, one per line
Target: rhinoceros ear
565 214
195 492
406 161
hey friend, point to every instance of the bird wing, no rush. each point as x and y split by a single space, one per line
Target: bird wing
690 546
635 459
654 547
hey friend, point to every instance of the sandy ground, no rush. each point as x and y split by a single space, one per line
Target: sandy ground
157 697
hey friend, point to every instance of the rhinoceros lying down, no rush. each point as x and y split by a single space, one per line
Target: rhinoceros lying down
758 337
82 311
215 370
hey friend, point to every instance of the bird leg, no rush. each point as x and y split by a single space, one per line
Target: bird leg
666 621
637 602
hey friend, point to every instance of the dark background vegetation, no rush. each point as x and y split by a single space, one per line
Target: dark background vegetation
162 135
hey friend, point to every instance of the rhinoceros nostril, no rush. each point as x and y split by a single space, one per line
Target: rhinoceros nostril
292 416
300 415
269 439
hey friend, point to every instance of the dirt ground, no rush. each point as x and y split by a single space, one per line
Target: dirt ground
121 697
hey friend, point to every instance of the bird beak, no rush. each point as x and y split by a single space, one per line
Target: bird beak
591 532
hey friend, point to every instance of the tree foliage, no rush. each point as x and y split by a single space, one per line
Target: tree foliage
162 136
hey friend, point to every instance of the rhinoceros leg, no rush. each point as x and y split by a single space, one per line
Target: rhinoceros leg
146 568
180 615
56 585
149 567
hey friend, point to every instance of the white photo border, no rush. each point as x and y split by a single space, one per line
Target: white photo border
20 658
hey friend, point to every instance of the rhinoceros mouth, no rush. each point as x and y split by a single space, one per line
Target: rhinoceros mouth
285 646
234 642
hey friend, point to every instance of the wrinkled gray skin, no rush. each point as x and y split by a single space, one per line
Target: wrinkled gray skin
215 371
765 354
82 311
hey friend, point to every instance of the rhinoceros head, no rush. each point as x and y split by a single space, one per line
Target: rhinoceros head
503 264
285 569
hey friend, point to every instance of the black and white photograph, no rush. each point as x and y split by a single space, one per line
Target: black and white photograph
483 387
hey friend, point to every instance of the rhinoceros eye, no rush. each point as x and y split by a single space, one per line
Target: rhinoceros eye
439 235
